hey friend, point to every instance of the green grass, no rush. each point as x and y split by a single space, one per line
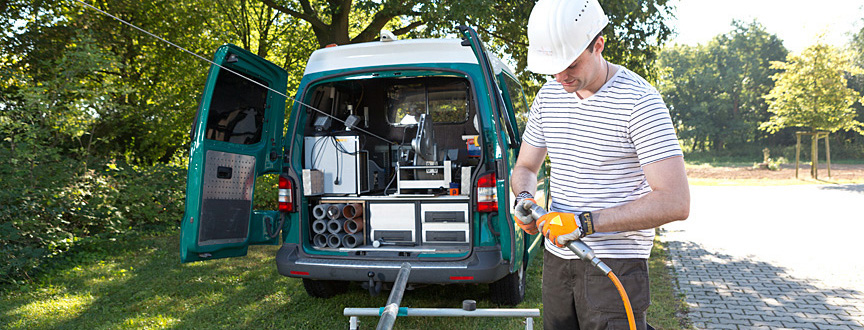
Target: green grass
667 307
139 283
719 160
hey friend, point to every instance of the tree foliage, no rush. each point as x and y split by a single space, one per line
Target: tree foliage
714 91
856 82
856 45
637 28
811 92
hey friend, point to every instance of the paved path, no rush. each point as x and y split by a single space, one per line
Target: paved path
772 257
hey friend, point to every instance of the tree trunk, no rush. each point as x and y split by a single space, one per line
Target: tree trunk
814 156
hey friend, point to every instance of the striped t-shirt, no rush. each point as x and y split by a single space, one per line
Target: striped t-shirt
598 147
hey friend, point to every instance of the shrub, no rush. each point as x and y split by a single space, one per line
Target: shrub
51 202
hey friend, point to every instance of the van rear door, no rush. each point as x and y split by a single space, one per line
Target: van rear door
237 137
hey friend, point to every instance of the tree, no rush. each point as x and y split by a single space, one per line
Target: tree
856 82
714 91
282 39
812 92
637 28
856 44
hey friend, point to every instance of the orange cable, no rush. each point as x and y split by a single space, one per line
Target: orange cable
630 319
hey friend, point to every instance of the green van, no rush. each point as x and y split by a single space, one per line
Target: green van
395 151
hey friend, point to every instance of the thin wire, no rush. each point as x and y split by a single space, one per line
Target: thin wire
227 69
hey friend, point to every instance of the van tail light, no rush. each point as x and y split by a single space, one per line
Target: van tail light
487 199
286 195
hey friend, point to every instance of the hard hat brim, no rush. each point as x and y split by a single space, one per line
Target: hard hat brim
546 64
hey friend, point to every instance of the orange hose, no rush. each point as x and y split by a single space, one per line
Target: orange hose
630 319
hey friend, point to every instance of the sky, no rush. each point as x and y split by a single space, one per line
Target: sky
796 22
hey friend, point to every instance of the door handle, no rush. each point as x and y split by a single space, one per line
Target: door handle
224 172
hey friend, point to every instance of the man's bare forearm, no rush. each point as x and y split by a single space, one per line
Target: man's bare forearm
523 179
652 210
668 201
524 174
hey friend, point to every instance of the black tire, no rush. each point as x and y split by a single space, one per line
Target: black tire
510 290
324 289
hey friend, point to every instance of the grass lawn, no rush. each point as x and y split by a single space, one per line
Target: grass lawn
139 283
714 160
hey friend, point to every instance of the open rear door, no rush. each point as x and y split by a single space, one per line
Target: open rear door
237 136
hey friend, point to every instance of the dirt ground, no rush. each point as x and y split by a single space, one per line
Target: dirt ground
787 171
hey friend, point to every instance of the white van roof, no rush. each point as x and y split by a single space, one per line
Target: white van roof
398 52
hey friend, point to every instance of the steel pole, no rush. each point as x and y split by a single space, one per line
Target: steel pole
388 317
449 312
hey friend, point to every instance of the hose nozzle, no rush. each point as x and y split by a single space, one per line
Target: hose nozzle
586 253
582 250
537 211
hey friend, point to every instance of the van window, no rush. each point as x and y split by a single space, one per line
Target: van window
518 101
445 100
236 110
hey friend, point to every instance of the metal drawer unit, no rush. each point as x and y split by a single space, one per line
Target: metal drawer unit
392 222
444 222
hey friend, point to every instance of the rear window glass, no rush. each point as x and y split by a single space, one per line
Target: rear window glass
236 110
444 100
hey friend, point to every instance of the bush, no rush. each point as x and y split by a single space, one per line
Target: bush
51 202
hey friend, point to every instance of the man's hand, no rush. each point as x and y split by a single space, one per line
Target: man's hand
524 218
561 228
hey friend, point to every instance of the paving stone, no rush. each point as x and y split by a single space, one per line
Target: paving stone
798 309
729 310
716 315
714 305
797 325
820 316
748 317
746 308
735 321
848 322
832 327
770 324
813 320
720 325
784 318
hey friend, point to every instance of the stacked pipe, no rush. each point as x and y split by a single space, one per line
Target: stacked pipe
337 225
353 225
319 226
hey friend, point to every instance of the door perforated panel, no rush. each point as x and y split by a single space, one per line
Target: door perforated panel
226 198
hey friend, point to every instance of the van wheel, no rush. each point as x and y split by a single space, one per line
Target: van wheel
510 290
324 289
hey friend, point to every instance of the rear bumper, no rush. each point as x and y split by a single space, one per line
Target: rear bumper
484 265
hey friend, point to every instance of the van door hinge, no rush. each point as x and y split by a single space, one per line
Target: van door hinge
500 168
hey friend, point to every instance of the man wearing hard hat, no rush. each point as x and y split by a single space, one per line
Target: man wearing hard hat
617 168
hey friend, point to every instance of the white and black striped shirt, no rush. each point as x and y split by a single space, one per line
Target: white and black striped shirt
598 147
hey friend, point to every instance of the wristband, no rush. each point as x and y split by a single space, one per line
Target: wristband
521 196
586 221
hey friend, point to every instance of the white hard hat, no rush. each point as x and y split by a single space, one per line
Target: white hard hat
559 31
